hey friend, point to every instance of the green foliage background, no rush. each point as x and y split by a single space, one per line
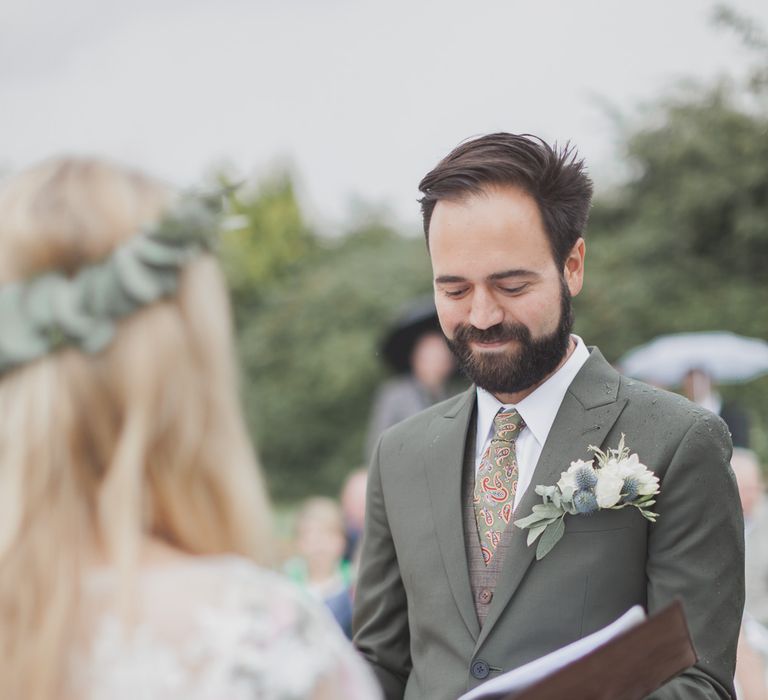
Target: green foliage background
682 245
309 355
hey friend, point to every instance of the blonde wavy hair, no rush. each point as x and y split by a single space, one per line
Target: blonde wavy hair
99 452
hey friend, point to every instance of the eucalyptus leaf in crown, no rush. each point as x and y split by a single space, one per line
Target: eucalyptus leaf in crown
41 314
614 479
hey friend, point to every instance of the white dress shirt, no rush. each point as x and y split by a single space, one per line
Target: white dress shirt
538 410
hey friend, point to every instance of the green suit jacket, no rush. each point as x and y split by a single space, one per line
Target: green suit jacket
414 616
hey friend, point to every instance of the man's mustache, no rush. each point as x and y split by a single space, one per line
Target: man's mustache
501 332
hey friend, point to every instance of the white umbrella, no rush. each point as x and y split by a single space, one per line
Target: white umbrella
726 357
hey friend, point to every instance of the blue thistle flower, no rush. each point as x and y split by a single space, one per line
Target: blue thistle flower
585 501
586 478
630 489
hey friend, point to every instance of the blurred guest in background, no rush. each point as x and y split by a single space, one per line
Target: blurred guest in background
749 479
415 348
699 388
132 509
753 641
319 565
353 509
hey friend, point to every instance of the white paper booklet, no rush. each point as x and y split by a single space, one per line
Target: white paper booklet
534 671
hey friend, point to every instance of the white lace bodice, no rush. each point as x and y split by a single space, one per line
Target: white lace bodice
212 628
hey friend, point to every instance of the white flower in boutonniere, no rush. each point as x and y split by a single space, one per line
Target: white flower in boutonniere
614 479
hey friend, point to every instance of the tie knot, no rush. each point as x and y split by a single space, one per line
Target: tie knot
507 425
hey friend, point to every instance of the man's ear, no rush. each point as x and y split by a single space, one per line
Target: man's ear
573 270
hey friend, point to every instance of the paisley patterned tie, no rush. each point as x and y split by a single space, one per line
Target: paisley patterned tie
496 482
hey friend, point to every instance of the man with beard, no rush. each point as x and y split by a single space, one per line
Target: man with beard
449 592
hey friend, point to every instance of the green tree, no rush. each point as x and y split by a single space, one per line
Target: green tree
683 244
269 238
309 352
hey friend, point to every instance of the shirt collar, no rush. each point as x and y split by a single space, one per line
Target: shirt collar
540 407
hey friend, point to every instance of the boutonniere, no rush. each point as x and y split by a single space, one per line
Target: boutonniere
614 479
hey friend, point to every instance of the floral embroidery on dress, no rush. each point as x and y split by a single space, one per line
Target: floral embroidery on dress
232 631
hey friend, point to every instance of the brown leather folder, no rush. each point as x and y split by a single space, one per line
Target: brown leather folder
629 667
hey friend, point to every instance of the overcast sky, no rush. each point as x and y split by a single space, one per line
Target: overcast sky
359 98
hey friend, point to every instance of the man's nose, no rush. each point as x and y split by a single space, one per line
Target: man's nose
485 311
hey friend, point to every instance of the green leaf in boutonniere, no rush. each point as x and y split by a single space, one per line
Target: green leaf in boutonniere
550 538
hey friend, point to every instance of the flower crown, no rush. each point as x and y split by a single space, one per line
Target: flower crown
52 310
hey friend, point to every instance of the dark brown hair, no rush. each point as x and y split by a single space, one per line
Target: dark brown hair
555 177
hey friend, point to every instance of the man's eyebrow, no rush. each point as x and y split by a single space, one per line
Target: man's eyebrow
502 275
505 274
449 279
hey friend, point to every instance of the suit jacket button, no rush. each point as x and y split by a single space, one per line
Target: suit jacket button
485 596
480 669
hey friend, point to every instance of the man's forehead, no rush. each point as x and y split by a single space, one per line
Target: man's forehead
498 208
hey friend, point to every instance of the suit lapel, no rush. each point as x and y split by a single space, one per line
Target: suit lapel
586 415
444 463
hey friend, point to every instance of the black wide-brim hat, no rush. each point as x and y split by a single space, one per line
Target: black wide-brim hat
415 319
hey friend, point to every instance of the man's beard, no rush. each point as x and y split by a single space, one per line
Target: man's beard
518 369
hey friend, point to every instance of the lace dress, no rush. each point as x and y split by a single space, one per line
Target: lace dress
212 628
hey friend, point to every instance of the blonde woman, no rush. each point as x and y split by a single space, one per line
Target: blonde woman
132 513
